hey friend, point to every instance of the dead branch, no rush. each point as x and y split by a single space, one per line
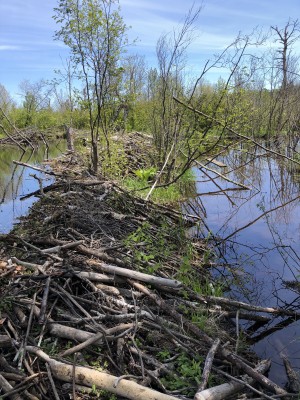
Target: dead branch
224 353
207 367
89 377
155 280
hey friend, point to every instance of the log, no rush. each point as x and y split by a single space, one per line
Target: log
79 335
140 276
89 377
220 392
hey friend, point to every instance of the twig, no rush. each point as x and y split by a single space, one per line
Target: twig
224 353
36 168
160 172
52 383
44 301
207 366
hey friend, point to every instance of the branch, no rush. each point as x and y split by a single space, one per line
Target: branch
90 377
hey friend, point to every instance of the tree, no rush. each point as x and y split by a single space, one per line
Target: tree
286 67
96 35
133 94
165 83
6 101
36 97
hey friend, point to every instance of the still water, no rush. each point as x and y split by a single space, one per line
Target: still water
16 181
262 249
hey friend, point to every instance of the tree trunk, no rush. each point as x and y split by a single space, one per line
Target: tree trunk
70 138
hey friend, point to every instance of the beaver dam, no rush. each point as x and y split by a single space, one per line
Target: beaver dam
104 295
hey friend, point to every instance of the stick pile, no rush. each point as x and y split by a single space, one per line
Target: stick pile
85 314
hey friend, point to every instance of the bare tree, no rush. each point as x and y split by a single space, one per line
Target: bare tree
286 67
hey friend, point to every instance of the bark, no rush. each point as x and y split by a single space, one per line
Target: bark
70 138
89 377
228 389
128 273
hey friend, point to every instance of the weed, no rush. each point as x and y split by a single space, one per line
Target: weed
171 194
186 375
149 249
146 174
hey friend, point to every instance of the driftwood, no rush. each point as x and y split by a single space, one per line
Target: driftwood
207 367
92 378
128 273
228 389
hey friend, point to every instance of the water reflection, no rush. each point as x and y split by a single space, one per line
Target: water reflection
262 227
16 181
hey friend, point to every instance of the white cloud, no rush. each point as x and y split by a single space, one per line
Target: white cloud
6 47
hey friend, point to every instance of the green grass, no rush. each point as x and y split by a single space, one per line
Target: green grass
164 195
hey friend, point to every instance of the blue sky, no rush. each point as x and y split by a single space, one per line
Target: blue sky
27 49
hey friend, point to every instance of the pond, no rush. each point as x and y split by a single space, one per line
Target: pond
261 226
16 181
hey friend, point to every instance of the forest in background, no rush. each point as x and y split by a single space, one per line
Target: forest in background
103 89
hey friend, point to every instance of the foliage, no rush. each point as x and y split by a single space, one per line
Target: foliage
187 373
95 33
146 174
155 249
114 164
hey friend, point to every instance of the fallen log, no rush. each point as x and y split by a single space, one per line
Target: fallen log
140 276
89 377
225 390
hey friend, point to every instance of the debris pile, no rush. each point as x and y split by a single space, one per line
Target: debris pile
98 299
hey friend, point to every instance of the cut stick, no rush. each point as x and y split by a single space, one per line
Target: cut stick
225 390
241 305
207 367
92 378
128 273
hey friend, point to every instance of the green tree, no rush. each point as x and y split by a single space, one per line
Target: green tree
36 97
96 35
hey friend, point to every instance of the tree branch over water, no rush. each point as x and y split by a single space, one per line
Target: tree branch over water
261 216
233 131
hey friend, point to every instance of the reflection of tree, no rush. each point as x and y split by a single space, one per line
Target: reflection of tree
273 202
12 176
